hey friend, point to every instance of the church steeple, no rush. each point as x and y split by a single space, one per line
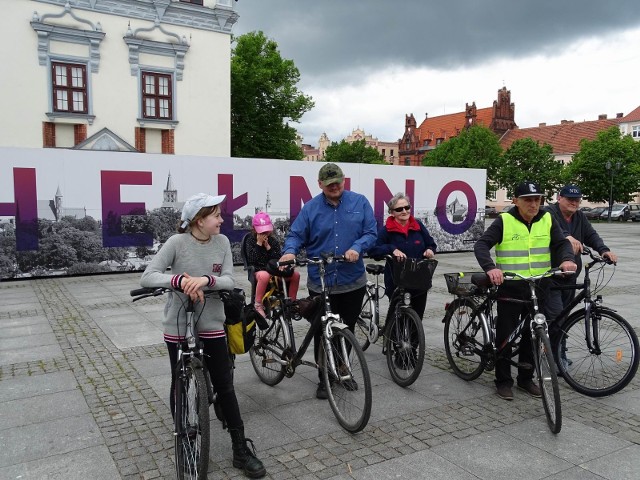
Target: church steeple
170 194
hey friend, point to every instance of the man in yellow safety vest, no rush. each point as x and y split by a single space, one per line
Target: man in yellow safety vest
523 237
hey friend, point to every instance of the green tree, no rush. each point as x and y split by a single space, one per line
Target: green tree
588 168
356 152
264 99
476 147
524 160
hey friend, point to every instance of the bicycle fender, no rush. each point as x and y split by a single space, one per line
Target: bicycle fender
582 312
339 325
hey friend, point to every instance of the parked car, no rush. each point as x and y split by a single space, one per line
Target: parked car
634 209
635 217
586 209
594 213
490 212
620 212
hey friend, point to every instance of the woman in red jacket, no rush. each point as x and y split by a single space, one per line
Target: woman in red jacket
403 236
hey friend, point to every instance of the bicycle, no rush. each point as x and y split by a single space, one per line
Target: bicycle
602 345
345 374
193 395
403 333
469 334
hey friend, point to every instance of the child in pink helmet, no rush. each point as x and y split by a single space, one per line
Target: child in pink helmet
261 247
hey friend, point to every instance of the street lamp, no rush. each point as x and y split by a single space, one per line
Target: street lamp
612 169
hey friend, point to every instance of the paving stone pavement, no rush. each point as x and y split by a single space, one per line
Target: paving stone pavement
84 394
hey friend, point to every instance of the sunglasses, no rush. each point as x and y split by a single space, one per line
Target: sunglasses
399 209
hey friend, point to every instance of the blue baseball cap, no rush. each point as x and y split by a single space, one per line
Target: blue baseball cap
570 191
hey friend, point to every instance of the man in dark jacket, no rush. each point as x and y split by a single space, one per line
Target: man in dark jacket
578 230
524 238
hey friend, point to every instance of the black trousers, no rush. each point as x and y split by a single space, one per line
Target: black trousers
220 369
509 316
348 305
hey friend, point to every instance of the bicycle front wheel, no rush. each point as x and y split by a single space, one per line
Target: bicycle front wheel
365 319
404 346
266 352
548 380
191 421
346 378
464 338
602 372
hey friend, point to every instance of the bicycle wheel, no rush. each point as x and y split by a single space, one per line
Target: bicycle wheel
366 317
191 421
547 380
464 338
404 346
349 386
266 352
602 373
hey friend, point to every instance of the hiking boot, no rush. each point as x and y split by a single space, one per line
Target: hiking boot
321 392
245 457
531 388
504 392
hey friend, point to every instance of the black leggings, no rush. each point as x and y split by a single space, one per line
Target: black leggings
219 365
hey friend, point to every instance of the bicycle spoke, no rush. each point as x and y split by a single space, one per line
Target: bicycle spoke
598 373
350 385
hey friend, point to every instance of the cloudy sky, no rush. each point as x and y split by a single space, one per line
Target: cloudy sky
367 63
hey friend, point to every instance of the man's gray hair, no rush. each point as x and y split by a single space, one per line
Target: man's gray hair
396 198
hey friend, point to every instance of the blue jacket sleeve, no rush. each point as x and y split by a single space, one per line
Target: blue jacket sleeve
383 245
369 227
429 242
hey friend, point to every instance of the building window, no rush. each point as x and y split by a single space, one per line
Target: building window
635 131
157 96
69 87
407 161
391 153
195 2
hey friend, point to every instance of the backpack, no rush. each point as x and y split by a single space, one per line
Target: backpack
240 321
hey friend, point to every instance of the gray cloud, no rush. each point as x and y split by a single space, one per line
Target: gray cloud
328 37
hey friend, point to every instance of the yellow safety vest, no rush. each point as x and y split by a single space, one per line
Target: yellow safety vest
523 251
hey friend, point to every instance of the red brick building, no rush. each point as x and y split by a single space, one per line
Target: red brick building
419 140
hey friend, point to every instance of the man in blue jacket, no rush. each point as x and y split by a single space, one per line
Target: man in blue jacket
340 222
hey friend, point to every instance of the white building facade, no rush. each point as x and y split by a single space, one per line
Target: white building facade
130 75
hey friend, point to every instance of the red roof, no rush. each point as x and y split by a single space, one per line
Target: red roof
633 116
564 138
447 126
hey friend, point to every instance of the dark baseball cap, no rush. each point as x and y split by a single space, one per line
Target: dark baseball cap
528 189
330 173
570 191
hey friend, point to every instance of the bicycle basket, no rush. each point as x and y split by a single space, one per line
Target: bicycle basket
413 273
459 283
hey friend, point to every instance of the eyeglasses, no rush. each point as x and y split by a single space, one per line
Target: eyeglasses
399 209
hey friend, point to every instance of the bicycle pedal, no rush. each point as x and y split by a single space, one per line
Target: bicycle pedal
524 365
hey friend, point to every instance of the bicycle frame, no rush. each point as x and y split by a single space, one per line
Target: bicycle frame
536 319
590 305
326 322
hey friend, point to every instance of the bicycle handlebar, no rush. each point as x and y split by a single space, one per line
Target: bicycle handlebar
140 293
531 278
596 257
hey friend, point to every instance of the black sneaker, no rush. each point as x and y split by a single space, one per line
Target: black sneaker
350 385
321 392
